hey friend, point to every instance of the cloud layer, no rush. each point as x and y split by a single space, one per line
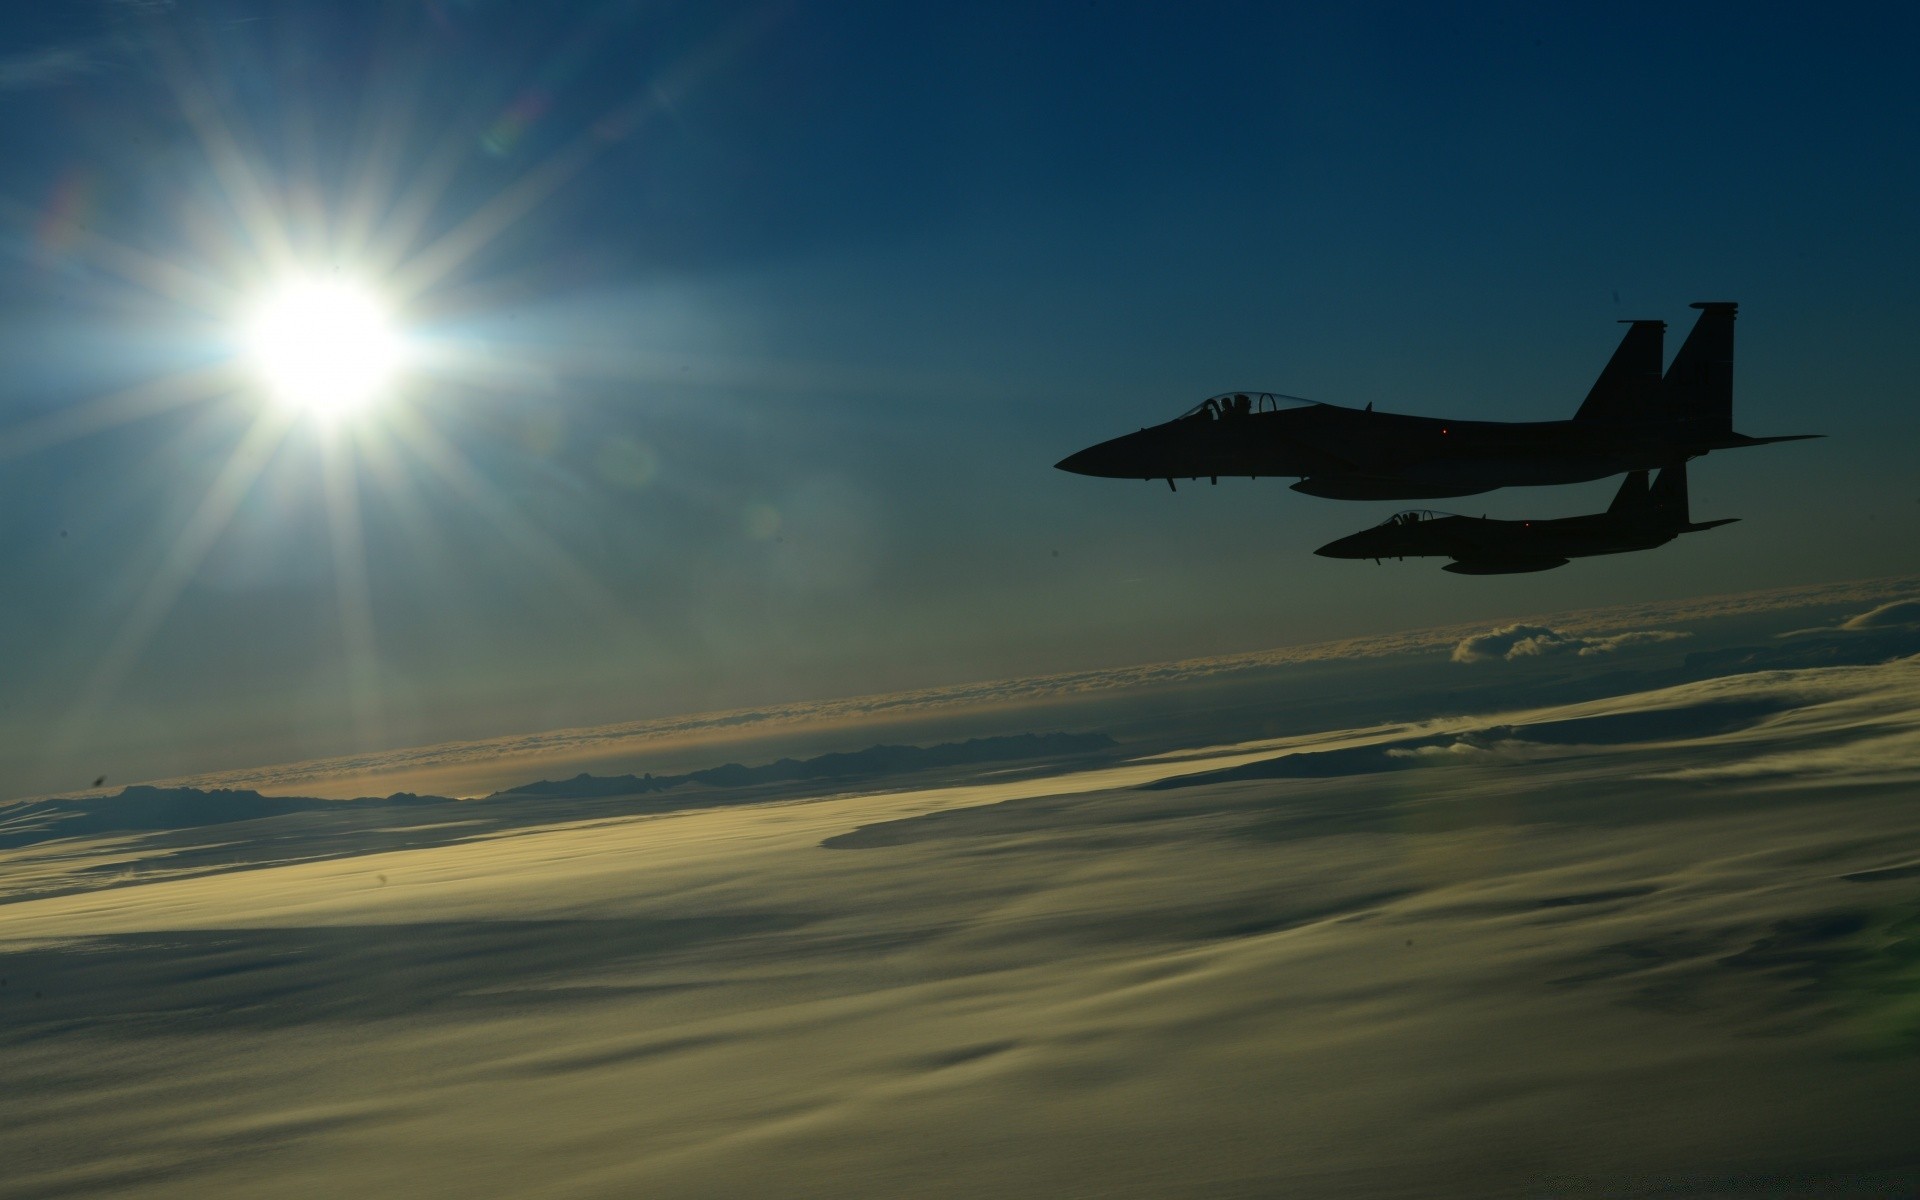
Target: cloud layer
1539 641
522 755
1897 613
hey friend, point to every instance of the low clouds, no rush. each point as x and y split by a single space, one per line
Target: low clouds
508 759
1897 616
1449 752
1860 724
1510 642
1887 616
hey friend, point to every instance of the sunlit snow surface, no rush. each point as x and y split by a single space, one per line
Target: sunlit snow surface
1666 943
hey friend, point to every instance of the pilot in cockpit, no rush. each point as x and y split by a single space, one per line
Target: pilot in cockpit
1221 408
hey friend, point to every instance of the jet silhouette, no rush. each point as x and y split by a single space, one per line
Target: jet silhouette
1639 518
1634 419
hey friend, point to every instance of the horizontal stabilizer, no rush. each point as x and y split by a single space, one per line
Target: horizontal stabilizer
1503 566
1697 526
1733 441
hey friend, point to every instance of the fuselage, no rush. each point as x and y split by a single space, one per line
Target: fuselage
1635 418
1412 535
1359 454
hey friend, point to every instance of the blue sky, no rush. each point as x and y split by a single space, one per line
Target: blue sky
769 322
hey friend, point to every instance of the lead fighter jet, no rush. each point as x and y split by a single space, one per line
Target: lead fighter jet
1639 518
1634 419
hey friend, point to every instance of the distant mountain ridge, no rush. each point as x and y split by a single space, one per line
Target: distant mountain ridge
873 762
143 808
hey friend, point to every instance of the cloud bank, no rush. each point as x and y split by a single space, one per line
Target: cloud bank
1899 612
1603 630
1510 642
1900 615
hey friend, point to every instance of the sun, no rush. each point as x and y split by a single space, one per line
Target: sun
324 346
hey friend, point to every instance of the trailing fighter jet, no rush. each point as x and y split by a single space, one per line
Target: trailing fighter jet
1634 419
1639 518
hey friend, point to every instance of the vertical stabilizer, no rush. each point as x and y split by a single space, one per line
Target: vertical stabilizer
1626 388
1699 385
1668 496
1632 496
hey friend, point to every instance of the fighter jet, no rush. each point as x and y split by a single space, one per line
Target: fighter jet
1634 419
1639 518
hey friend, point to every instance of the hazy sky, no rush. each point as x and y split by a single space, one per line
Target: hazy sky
750 334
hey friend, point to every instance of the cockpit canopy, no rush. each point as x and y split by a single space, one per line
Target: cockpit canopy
1228 405
1412 516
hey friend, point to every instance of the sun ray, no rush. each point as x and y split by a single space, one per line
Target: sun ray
410 212
525 538
159 276
386 122
189 549
142 400
458 245
244 190
352 592
402 212
660 96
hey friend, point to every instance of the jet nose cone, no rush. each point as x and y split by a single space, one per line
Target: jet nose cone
1154 453
1365 544
1109 460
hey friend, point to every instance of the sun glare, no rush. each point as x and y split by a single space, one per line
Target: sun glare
324 347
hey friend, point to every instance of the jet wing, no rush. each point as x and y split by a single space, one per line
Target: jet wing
1503 566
